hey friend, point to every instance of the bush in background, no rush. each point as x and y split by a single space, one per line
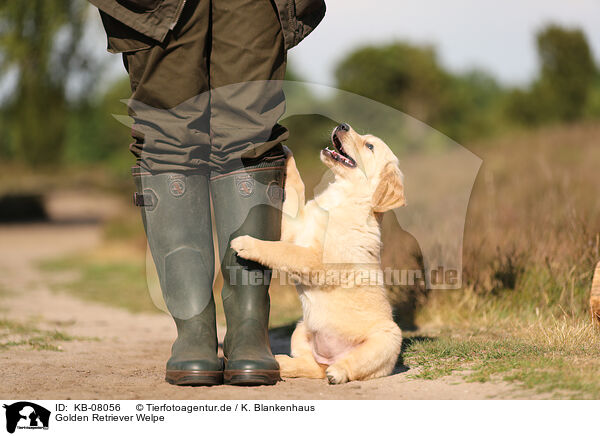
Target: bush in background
565 87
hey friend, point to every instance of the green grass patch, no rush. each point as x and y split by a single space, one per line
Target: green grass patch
4 292
125 227
121 284
15 334
563 358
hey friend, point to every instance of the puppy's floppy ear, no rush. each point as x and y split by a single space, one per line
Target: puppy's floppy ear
389 193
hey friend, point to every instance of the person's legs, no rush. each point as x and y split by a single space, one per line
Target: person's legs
247 63
172 145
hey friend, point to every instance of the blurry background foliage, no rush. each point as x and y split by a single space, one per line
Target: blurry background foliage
44 122
40 46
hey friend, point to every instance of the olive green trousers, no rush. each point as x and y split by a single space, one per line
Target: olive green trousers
209 97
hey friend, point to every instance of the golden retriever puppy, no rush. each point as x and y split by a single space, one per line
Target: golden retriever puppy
331 245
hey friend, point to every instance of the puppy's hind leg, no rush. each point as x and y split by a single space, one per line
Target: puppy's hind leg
375 357
302 363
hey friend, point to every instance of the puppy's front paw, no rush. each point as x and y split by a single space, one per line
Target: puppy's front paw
336 375
244 246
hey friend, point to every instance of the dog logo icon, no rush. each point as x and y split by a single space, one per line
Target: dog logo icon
245 184
26 415
275 193
177 185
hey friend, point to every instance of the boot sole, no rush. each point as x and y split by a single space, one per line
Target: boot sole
251 377
194 378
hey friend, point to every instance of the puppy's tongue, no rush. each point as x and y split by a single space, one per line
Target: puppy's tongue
335 155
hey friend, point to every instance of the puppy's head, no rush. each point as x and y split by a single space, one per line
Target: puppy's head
366 161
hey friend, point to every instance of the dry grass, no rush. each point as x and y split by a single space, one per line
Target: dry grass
532 240
532 236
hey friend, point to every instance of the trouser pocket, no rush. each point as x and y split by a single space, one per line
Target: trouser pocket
299 18
141 5
122 38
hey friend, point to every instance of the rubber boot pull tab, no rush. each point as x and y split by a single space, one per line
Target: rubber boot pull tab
146 199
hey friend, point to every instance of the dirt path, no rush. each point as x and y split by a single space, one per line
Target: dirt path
124 354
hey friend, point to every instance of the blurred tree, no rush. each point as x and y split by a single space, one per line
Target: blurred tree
592 109
410 78
564 90
522 108
400 75
472 106
93 134
568 70
41 41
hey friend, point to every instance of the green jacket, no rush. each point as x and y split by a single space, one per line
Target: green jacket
154 18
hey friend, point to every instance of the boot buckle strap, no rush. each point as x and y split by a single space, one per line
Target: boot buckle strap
144 199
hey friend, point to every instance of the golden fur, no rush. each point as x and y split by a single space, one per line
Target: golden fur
595 296
347 332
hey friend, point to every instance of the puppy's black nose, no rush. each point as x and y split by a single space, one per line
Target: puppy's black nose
344 127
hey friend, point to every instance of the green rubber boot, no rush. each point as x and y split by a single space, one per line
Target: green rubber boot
248 202
176 215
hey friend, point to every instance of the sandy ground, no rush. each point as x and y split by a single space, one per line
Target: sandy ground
125 354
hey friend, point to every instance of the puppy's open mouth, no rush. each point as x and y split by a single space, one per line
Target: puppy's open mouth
338 153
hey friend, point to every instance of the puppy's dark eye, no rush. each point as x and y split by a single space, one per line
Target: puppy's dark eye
370 146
